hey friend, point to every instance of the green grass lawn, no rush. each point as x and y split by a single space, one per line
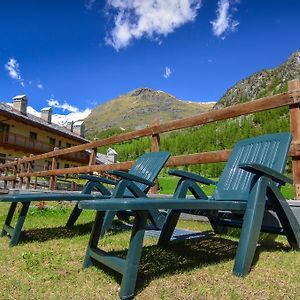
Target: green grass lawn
167 185
47 264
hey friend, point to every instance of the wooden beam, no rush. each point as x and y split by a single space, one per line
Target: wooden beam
52 182
8 177
293 87
155 145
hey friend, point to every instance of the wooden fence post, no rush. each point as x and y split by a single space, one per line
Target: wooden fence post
15 173
295 130
5 180
155 143
29 169
52 182
22 168
155 139
93 157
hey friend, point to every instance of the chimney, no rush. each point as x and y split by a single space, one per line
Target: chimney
70 126
46 114
79 128
20 104
112 155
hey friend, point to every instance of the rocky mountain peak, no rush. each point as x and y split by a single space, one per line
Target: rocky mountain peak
263 83
141 91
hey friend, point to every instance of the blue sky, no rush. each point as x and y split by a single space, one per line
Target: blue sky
79 54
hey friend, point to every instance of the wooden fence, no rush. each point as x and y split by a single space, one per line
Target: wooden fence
20 171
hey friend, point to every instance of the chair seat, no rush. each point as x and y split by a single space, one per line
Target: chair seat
159 203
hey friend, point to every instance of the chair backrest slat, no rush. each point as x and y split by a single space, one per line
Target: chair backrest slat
148 166
270 150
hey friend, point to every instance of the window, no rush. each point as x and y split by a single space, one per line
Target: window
67 166
32 136
59 144
52 141
68 145
4 130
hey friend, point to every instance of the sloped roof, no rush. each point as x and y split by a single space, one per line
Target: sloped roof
38 122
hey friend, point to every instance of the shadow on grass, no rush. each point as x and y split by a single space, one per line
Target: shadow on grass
185 256
50 233
178 257
62 232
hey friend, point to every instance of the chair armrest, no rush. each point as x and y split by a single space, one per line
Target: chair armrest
97 179
265 171
193 176
125 175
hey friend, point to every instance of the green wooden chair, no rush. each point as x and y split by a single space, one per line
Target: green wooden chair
250 182
135 183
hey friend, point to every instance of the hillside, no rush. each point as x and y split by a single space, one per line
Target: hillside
263 83
138 108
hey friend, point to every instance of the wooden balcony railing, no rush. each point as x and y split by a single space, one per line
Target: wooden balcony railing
20 170
23 143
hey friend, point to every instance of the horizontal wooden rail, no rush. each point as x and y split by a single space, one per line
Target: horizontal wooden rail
262 104
180 160
9 177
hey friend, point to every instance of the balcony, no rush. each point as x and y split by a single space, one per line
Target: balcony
22 143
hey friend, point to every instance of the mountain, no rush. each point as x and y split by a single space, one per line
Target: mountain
264 83
138 108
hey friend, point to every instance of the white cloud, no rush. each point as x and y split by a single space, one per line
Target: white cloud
134 19
224 22
65 106
13 68
39 86
167 73
89 4
209 60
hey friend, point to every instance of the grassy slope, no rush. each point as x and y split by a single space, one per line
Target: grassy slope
48 265
129 112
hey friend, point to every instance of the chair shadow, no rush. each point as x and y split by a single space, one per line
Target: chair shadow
51 233
63 232
269 245
185 256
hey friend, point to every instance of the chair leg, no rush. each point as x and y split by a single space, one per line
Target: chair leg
218 229
9 217
168 228
133 256
173 215
76 212
87 189
251 228
15 238
157 218
108 220
287 218
94 238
